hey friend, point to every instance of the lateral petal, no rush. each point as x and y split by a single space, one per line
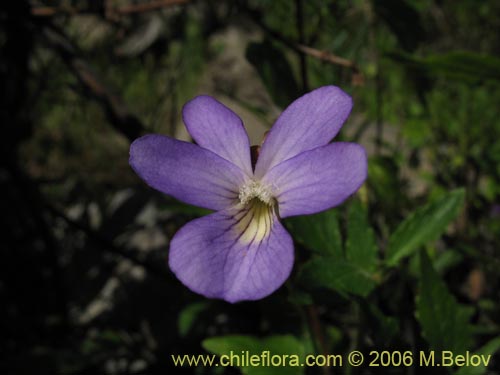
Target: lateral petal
318 179
186 171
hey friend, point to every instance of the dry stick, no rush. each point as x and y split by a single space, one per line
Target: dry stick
124 10
318 334
310 51
116 111
152 5
51 11
326 56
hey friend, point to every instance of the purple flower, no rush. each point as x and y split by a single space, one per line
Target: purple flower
242 251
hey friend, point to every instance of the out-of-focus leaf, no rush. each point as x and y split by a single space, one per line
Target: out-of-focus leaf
486 351
444 322
188 316
383 328
300 297
361 246
447 259
403 20
275 72
319 232
425 224
285 344
180 208
336 274
142 38
383 178
459 65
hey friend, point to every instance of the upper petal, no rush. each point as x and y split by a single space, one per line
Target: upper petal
318 179
309 122
212 256
186 171
216 128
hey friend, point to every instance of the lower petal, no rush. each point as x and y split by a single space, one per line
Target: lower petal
231 256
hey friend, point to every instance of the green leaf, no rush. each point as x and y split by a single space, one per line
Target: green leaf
361 246
425 224
403 20
444 322
275 345
381 327
180 208
275 72
319 232
487 351
188 316
459 65
336 274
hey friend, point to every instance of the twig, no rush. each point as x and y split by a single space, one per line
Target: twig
149 6
317 333
310 51
52 11
326 56
45 11
117 112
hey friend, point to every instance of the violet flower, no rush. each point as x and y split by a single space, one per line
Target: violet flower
242 251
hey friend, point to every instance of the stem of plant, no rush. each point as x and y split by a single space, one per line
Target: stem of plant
299 13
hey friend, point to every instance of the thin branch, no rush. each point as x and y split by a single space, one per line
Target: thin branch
317 333
117 112
52 11
45 11
326 56
149 6
306 50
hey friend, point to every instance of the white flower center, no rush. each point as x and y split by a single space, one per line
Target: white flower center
255 216
255 189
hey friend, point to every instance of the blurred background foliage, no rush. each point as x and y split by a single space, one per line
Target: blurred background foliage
409 263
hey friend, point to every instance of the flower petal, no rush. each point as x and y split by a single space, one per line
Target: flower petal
309 122
186 171
318 179
215 127
211 256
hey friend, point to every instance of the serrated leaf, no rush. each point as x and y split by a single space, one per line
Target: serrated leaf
336 274
275 72
444 322
425 224
319 232
361 246
486 351
276 345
